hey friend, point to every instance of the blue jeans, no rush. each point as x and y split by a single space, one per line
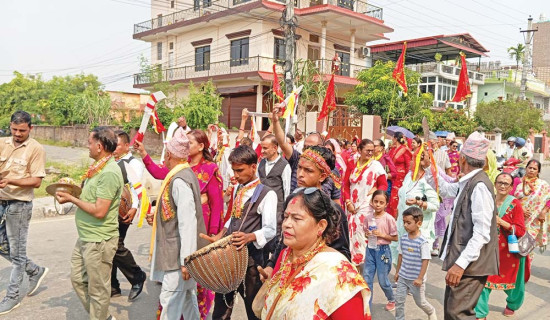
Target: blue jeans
378 261
18 214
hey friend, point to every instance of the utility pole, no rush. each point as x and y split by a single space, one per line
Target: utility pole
289 23
528 37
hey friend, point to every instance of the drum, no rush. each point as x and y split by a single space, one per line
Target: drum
125 202
218 267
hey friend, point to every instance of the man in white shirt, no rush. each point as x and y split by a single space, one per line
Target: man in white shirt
510 147
132 172
274 172
441 156
470 246
253 224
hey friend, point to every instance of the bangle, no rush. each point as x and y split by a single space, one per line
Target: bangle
268 131
241 129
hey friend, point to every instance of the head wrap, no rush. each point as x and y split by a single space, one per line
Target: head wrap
476 146
179 144
321 164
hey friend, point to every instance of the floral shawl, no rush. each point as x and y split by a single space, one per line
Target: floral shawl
535 203
325 284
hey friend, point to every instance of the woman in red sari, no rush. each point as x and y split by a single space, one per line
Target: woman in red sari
401 157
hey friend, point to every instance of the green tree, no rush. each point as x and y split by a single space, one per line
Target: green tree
453 121
514 117
377 91
202 106
517 53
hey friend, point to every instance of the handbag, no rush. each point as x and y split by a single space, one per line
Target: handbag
526 244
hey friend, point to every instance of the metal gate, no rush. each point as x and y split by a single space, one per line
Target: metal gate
345 123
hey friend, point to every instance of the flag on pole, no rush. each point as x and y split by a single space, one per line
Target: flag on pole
329 104
276 87
463 87
399 71
145 207
253 135
150 112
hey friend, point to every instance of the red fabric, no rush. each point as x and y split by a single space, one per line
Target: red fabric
351 310
402 161
276 87
509 263
329 104
158 172
259 152
463 87
399 71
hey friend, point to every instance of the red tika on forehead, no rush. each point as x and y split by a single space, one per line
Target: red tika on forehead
294 200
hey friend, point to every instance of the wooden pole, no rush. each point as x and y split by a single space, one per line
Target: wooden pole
389 110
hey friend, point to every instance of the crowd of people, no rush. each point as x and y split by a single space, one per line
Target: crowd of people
314 213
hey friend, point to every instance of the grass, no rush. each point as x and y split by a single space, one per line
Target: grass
73 171
54 143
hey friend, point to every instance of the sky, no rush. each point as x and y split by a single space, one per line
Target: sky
62 37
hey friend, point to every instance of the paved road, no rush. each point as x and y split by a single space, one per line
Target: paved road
51 241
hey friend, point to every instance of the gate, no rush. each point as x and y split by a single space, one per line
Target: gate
345 123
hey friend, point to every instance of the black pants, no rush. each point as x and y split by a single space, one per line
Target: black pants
460 301
252 283
125 262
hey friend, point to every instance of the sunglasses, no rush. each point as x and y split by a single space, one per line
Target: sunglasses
311 190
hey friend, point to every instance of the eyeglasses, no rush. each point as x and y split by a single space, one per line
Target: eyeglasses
369 150
502 184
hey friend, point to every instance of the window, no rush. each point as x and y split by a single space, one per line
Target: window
172 4
171 46
159 17
205 4
202 58
344 63
159 50
279 52
239 52
314 38
348 4
313 53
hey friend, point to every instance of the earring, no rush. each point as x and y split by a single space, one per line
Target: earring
319 233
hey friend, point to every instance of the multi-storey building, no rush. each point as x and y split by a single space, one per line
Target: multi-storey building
236 42
436 58
541 47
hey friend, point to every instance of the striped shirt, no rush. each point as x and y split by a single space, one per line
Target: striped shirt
442 159
413 251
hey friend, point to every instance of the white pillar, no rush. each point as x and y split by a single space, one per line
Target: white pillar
259 105
352 50
323 43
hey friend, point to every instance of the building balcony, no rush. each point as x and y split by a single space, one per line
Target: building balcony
449 72
207 10
253 68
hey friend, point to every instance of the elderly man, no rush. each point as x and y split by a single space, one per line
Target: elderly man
441 156
22 162
470 246
180 219
97 225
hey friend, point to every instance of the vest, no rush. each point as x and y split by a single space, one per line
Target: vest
253 222
461 230
168 239
274 180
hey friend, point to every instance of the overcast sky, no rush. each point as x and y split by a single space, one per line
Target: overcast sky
60 37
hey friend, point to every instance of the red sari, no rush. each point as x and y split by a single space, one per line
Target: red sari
401 157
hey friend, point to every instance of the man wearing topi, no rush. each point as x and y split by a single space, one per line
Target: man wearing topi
176 224
97 225
22 162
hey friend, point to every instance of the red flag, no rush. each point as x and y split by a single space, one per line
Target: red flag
463 88
157 125
399 71
276 87
329 104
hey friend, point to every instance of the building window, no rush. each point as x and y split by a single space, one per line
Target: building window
348 4
344 63
172 4
202 58
171 46
239 52
159 19
279 50
313 38
159 50
205 4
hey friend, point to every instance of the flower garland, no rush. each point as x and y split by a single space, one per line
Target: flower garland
238 202
121 157
96 167
285 273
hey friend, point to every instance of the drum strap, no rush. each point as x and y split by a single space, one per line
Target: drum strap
253 200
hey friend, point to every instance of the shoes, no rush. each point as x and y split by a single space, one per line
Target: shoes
36 280
508 312
435 252
115 292
432 316
5 248
136 289
111 318
390 306
8 304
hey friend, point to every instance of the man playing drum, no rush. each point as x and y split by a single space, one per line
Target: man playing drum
176 225
253 223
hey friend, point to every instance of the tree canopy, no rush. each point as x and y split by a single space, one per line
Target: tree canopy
513 117
377 91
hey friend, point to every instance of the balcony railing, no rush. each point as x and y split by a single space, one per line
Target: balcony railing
208 7
251 64
445 70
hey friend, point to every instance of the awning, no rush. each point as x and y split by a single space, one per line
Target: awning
461 47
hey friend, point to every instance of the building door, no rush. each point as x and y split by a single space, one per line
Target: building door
345 123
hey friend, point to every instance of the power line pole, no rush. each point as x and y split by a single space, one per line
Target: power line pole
528 37
289 23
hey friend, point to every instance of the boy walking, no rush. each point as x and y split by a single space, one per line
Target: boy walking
412 264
